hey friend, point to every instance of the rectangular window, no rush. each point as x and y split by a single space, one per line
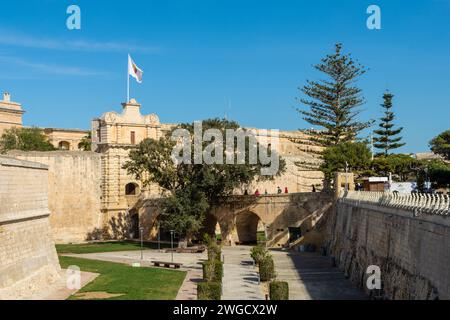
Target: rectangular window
133 138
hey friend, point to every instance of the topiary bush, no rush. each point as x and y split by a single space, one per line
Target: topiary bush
214 252
208 270
279 290
209 291
212 270
258 253
218 271
267 268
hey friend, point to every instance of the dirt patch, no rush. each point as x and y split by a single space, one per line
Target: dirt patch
97 295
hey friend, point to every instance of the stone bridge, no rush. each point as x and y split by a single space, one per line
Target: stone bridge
281 218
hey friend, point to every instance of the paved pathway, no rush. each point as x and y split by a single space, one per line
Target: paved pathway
189 260
240 281
312 277
188 290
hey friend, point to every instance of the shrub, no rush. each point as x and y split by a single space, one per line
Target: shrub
213 270
209 291
279 290
218 271
267 268
208 270
214 252
258 253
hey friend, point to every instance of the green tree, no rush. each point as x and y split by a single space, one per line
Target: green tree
441 144
435 171
25 139
353 156
192 188
333 102
439 173
402 166
86 143
385 137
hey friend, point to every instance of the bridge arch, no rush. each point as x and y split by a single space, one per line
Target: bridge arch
64 145
211 227
247 225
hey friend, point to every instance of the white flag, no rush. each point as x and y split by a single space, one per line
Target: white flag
134 71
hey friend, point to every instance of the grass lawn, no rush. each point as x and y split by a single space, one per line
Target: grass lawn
106 247
135 283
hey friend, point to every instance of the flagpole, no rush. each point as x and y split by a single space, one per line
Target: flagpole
128 79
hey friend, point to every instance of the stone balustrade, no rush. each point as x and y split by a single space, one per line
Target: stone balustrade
437 204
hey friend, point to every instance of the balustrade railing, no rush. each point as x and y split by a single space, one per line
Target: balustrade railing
437 204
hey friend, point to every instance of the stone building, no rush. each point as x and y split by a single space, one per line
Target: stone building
115 134
10 113
95 188
65 139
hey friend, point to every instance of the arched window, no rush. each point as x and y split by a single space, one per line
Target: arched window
131 189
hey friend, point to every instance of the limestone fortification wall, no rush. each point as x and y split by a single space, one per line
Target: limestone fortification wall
74 179
28 260
410 245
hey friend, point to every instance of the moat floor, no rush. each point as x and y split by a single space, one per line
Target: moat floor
310 275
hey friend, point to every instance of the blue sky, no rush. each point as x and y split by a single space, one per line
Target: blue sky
206 58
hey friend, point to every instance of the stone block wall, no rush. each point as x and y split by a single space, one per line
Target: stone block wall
74 185
28 260
413 252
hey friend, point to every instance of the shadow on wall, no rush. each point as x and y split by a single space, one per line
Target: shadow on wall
118 228
98 234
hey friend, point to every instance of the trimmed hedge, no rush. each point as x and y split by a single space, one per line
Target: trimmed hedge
209 291
258 253
218 270
214 252
213 270
279 290
208 271
267 269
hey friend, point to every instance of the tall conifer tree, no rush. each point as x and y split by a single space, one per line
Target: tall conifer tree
385 138
333 102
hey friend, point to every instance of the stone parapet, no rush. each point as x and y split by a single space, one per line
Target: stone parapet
419 203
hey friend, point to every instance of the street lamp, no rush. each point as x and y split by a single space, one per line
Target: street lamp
159 236
171 242
141 229
346 177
